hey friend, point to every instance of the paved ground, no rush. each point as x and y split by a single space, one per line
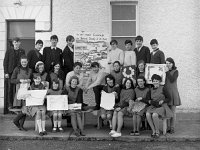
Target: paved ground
187 129
96 145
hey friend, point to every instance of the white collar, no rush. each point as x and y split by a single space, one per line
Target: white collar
53 47
71 49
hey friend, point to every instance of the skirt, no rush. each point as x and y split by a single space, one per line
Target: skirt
106 112
160 111
32 110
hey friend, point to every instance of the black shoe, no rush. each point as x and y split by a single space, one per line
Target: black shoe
44 132
22 129
41 134
16 123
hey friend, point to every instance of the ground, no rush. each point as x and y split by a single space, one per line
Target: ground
95 145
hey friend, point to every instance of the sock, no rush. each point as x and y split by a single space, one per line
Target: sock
59 124
43 125
39 124
55 123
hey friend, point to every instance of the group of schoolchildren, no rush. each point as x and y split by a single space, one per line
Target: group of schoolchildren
56 71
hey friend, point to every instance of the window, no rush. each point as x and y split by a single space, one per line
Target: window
124 22
23 29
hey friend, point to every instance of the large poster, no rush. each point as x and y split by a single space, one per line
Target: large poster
57 102
158 69
35 97
90 47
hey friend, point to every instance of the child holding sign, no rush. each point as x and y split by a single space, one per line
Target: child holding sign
110 87
39 110
57 114
75 95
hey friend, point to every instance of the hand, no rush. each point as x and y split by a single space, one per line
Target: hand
161 102
149 101
85 90
7 76
139 99
166 69
115 93
117 85
118 109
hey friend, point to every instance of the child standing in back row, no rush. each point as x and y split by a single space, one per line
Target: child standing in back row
129 54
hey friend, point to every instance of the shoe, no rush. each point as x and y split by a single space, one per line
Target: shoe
157 135
132 133
137 133
112 132
171 131
54 130
22 129
60 129
116 134
153 135
77 133
16 124
41 134
44 132
82 133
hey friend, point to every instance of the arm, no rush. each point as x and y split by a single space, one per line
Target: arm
173 77
88 82
14 79
167 95
162 58
44 55
5 62
148 55
29 56
133 59
98 81
81 81
68 76
147 98
79 98
121 57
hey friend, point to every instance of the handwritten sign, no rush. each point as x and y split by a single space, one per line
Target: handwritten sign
75 106
107 100
35 97
152 69
57 102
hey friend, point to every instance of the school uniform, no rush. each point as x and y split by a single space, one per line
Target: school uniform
19 73
171 87
50 56
157 57
68 59
143 53
11 60
118 77
33 57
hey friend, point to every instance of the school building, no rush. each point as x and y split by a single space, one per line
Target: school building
174 23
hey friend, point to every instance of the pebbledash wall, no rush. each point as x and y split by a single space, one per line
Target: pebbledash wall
174 23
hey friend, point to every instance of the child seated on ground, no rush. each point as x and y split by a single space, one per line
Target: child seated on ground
57 114
158 105
138 107
110 87
37 111
75 95
127 93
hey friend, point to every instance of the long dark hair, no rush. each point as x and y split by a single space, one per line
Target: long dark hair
124 84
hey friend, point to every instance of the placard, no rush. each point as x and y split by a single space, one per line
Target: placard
75 106
129 72
35 97
107 100
158 69
57 102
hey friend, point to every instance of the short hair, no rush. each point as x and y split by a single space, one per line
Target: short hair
143 78
124 84
94 64
36 75
17 39
55 81
140 62
54 37
109 76
156 77
171 60
153 41
78 64
39 42
69 38
139 38
23 57
113 42
128 42
116 62
73 77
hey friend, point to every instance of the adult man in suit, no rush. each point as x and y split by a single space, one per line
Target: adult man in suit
11 60
52 54
68 55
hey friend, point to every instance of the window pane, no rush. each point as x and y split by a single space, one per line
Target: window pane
123 12
123 28
21 29
121 41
